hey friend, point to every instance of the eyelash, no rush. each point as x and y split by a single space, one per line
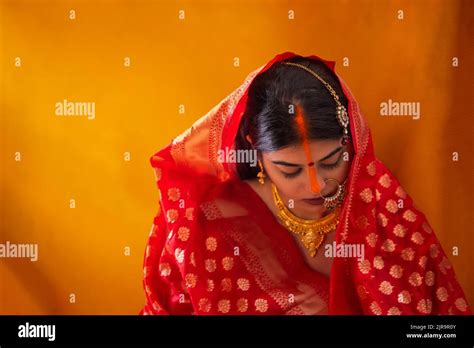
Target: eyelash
332 166
325 166
292 175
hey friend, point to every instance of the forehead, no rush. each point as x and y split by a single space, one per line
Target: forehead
319 149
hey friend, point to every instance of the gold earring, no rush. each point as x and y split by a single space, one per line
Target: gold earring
261 175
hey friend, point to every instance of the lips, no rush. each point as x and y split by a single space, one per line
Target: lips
314 201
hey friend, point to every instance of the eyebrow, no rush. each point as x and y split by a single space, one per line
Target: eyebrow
283 163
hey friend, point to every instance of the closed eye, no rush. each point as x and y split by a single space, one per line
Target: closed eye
331 165
293 174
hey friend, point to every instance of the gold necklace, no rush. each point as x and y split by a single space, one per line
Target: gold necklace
310 232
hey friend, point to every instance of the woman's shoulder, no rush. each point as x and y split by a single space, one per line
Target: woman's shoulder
228 199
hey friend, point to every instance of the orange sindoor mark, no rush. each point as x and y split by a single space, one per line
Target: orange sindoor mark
300 121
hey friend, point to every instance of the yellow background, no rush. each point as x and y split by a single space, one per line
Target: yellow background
191 62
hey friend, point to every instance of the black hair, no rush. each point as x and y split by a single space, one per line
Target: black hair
267 119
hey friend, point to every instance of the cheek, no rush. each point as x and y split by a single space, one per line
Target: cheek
343 170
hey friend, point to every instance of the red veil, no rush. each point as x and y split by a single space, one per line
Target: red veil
215 247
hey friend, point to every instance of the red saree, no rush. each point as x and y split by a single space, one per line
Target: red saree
216 248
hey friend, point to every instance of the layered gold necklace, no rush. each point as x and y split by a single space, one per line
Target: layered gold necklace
310 232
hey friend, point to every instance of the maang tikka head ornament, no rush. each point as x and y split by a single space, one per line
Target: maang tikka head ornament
341 112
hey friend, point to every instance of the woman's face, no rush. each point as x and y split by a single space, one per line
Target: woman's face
288 170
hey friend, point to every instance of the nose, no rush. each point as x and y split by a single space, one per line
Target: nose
310 188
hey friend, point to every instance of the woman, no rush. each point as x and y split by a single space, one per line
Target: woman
274 203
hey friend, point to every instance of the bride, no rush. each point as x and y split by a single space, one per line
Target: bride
232 237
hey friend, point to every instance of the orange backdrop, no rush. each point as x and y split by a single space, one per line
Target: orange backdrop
190 61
